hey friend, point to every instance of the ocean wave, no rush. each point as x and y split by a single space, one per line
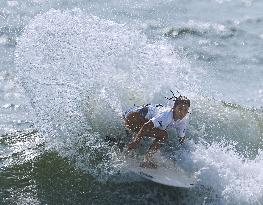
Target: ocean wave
81 72
236 179
221 121
173 32
200 29
19 147
227 154
88 57
221 31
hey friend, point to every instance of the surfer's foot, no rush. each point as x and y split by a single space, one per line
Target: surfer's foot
148 164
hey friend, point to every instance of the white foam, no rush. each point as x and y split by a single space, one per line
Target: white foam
12 3
237 179
63 57
81 72
3 39
206 26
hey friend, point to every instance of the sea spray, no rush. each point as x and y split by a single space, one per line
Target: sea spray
81 72
237 179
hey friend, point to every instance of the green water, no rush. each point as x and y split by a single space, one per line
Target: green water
50 179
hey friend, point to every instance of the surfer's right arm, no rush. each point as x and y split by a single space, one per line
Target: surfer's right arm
146 128
150 130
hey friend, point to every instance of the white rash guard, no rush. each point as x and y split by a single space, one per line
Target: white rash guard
162 118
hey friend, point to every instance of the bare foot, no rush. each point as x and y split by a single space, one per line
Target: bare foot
148 164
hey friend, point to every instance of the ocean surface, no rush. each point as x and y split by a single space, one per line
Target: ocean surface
69 69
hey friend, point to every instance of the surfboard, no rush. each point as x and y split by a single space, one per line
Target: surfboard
165 176
166 173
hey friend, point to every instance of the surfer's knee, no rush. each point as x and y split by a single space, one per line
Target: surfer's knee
162 137
133 121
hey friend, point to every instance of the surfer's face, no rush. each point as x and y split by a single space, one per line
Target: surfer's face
180 111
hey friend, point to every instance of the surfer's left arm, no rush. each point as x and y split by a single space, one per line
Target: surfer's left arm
181 129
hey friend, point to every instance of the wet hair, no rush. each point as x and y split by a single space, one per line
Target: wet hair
182 100
179 100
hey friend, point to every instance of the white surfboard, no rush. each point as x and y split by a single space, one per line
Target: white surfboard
167 172
162 175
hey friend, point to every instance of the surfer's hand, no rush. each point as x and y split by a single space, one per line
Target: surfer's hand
181 140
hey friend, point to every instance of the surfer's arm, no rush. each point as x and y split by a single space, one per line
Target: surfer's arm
181 129
146 128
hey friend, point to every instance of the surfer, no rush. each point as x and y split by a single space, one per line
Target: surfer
153 121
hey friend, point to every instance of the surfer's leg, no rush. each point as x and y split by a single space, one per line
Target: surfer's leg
134 121
155 146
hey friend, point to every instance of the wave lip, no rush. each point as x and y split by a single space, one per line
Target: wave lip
81 72
69 57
